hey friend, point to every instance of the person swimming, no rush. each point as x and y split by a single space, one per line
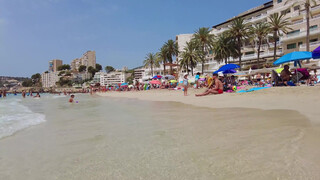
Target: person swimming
71 100
37 95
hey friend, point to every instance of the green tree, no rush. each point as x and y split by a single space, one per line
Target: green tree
27 83
64 67
36 79
151 61
307 5
224 47
162 55
204 41
82 68
172 50
259 32
109 69
278 24
240 31
190 56
98 67
92 70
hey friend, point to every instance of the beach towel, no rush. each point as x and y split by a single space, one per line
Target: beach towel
253 89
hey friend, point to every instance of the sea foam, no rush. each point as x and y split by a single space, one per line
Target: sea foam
14 117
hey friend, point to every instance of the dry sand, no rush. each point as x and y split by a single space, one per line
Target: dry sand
305 100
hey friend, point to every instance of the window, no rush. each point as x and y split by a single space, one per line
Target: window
279 1
296 8
314 27
248 53
314 40
291 46
293 32
300 43
285 11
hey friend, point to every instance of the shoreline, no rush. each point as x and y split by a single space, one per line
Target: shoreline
303 99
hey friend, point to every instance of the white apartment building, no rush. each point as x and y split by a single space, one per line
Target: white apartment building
293 41
49 79
81 76
112 78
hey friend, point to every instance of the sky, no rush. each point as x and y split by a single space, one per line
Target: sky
122 32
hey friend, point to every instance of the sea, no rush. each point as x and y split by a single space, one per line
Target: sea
119 138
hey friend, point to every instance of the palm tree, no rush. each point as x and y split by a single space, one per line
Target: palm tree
239 30
224 47
190 56
162 55
307 4
278 24
204 40
259 32
171 49
151 61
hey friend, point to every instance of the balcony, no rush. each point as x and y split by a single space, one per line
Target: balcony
312 44
256 18
255 55
300 34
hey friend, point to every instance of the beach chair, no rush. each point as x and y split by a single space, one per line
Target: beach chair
275 78
297 77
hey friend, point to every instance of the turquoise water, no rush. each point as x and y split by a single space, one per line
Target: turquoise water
110 138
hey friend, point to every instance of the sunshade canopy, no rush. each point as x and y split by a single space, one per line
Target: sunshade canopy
227 67
294 56
316 53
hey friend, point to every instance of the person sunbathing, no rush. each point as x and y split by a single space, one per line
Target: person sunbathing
218 88
285 75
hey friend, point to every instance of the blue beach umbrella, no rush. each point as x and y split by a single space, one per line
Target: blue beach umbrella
157 77
124 84
294 56
316 53
227 67
230 71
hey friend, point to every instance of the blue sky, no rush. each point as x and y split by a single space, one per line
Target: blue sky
122 32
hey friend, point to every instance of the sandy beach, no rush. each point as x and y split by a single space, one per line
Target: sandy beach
303 99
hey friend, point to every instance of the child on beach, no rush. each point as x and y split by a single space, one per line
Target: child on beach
185 84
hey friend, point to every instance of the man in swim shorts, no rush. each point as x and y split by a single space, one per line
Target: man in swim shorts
218 89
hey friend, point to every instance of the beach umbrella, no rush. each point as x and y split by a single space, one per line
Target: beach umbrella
230 71
316 53
168 77
124 84
227 67
294 56
155 82
279 70
157 77
240 74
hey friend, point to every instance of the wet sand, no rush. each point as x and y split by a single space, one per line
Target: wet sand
121 138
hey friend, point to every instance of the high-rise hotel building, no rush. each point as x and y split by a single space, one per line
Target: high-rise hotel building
54 64
88 59
295 40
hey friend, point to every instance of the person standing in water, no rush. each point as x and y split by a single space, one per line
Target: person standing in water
23 93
